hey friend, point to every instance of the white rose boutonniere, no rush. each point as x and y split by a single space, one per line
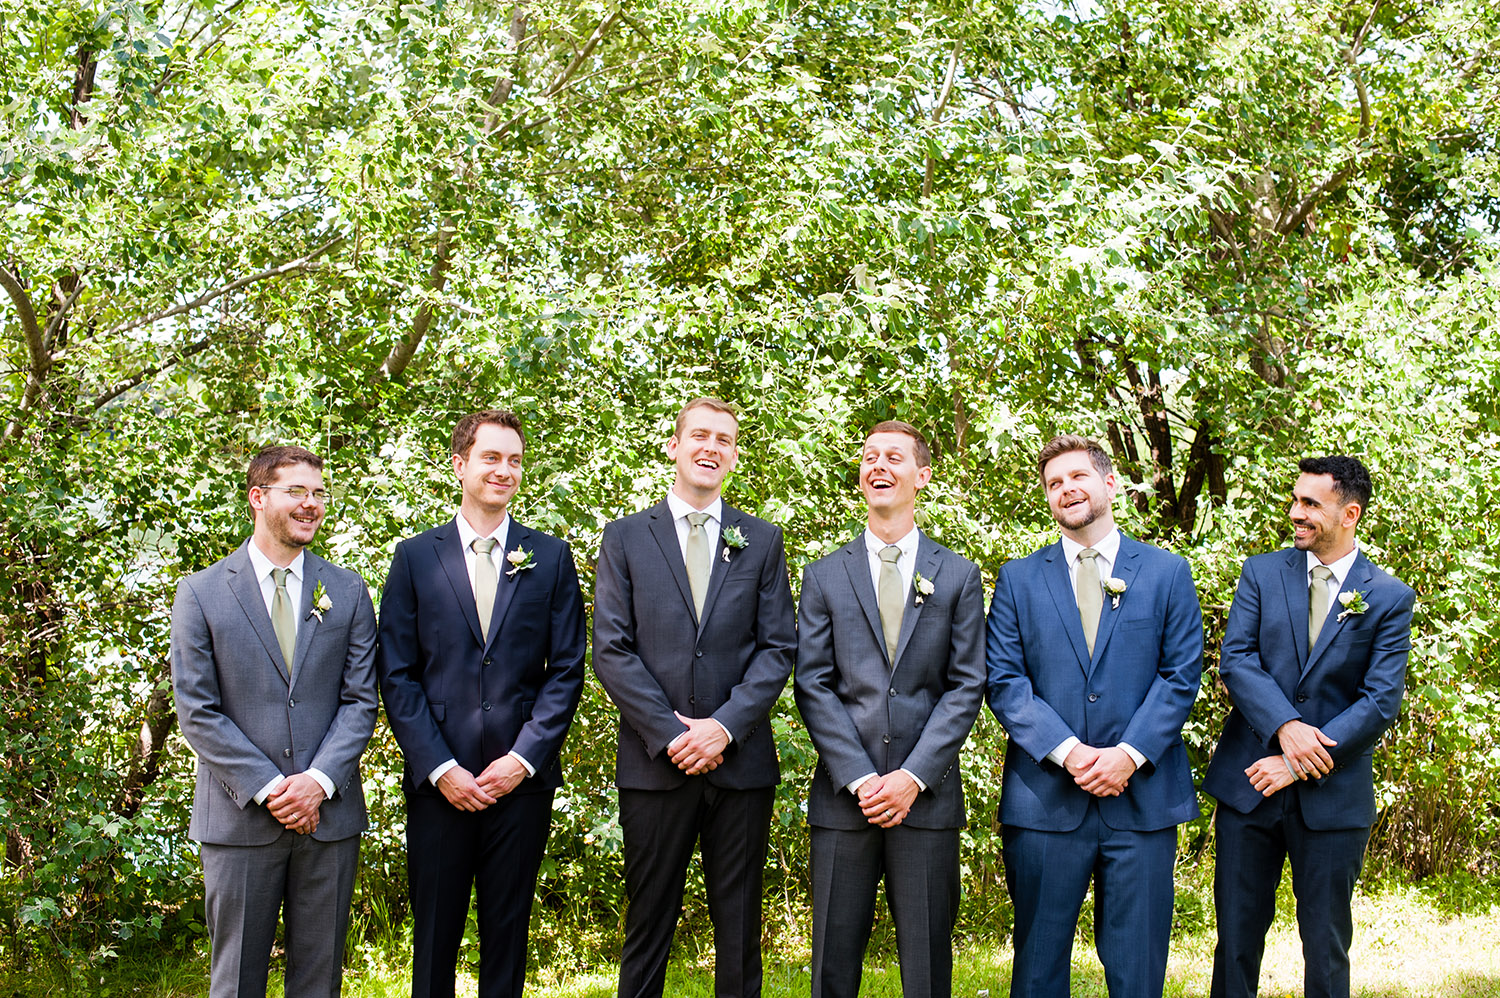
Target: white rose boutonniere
922 586
733 538
520 560
1114 588
321 602
1352 602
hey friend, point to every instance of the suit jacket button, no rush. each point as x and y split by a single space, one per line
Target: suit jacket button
692 699
893 691
886 739
1302 698
486 705
1093 697
698 653
291 703
286 753
486 660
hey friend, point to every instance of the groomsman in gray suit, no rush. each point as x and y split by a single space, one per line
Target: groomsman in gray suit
273 671
890 677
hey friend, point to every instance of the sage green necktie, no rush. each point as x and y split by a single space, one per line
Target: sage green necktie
699 560
1317 603
283 617
485 582
891 599
1090 595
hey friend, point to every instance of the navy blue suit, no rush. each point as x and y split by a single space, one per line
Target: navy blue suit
1350 686
1137 688
450 694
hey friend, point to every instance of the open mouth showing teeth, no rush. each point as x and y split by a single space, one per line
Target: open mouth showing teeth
710 465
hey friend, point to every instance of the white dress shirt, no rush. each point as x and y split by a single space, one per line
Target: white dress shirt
1109 552
906 564
262 567
467 535
680 509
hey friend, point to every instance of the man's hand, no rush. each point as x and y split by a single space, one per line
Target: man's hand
463 791
700 748
1108 775
887 800
501 776
1080 758
295 803
1269 774
1303 746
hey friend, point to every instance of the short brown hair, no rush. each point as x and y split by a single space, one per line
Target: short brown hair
468 428
1067 444
921 451
265 465
704 402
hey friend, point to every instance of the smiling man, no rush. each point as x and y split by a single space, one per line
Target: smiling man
1095 653
1314 659
693 640
481 666
273 672
890 676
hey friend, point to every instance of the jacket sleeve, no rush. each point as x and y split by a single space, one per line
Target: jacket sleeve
953 715
1251 686
770 664
833 731
354 721
541 738
398 661
1028 720
1157 723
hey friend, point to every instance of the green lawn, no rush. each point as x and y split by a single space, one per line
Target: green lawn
1408 944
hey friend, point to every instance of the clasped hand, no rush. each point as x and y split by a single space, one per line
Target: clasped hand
1102 772
295 803
887 800
700 748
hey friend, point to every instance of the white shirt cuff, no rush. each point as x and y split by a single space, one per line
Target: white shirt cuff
530 769
437 774
914 778
856 784
1059 755
265 791
323 781
1135 756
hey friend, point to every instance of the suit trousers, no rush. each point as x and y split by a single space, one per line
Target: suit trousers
496 853
1250 850
660 828
309 883
920 869
1048 876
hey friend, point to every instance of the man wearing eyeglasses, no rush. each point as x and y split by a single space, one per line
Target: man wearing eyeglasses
273 669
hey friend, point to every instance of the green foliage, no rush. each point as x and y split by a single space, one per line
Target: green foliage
1217 235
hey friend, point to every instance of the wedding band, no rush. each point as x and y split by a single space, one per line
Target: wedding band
889 812
296 817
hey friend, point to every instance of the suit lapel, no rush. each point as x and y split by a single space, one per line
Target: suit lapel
1055 571
1294 582
1359 575
246 589
857 563
732 518
1125 571
450 555
665 533
312 574
927 565
517 540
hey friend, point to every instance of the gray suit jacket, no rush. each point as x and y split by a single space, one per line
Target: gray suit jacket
247 721
654 657
866 716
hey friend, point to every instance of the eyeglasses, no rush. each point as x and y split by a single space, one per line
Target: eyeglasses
300 493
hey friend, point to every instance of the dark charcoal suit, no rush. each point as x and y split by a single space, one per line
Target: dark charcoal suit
450 694
867 716
654 658
1350 686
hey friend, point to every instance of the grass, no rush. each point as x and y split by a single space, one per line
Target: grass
1410 942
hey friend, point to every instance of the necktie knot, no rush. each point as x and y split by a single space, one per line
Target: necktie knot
278 576
1322 573
697 519
483 545
1088 553
890 554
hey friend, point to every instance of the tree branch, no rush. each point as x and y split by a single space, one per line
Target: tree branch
406 348
501 93
937 112
126 384
297 266
36 347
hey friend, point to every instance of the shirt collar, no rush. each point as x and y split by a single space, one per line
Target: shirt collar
263 565
907 544
467 535
680 507
1340 568
1108 547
